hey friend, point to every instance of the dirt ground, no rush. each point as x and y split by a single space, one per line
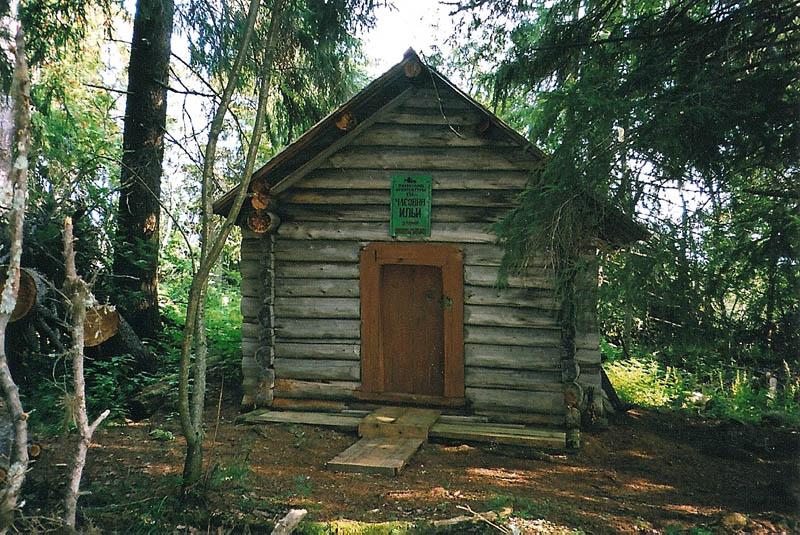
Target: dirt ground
649 472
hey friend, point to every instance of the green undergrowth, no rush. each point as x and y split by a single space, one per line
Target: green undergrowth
711 391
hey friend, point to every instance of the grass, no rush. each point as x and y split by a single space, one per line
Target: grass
714 392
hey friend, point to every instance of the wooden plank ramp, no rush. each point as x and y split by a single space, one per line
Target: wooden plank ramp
500 434
380 455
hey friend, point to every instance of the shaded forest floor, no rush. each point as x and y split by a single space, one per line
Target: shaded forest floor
650 472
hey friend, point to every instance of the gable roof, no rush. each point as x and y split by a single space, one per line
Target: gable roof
390 89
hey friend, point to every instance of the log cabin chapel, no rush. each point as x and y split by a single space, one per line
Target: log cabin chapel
369 268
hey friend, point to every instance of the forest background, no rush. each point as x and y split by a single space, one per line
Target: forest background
684 113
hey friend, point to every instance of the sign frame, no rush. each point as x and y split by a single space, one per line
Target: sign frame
410 206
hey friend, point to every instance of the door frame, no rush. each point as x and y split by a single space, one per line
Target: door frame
451 261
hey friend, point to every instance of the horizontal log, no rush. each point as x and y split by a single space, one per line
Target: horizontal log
434 159
588 356
376 179
522 418
316 287
590 376
318 251
587 340
288 388
317 329
252 268
304 350
548 338
307 250
251 345
252 307
393 135
440 232
430 97
358 213
381 197
511 357
508 316
487 276
317 307
324 370
252 287
410 115
316 270
511 297
311 405
252 330
539 381
516 400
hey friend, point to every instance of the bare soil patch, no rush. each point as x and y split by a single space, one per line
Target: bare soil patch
650 472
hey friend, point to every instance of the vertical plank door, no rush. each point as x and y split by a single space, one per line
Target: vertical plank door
412 329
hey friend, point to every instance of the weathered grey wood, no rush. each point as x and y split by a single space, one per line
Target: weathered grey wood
512 336
334 214
318 251
339 421
376 179
343 141
590 376
487 276
440 232
516 400
324 370
508 316
543 300
304 350
316 270
430 97
380 197
388 135
588 356
512 357
252 287
409 115
587 340
499 434
539 380
434 159
252 330
317 307
316 287
335 390
525 418
252 307
317 328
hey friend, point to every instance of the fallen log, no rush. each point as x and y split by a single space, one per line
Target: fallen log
32 290
102 322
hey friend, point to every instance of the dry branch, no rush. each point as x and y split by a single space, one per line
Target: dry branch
81 299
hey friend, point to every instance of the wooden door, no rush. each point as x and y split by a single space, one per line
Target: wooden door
412 323
412 329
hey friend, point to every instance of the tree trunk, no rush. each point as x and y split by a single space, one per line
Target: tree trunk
137 241
81 299
211 247
18 461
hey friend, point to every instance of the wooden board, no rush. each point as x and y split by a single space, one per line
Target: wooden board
405 422
385 456
479 432
338 421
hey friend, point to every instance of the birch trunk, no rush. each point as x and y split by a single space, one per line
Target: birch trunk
15 216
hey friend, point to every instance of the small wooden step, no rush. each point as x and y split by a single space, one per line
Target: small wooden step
398 422
385 456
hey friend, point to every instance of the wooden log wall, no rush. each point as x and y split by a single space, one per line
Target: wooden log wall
511 336
257 267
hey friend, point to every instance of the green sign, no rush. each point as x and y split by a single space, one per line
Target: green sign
411 206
